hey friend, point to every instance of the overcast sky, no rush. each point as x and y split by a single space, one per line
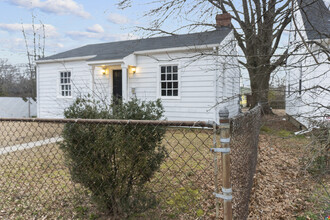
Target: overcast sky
68 24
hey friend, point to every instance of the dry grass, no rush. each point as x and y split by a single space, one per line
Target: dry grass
13 133
36 184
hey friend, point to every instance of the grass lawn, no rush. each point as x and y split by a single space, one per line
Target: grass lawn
36 184
13 133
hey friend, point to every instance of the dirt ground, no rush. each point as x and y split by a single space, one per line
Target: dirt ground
283 189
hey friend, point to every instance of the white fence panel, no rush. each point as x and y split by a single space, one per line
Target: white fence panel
16 107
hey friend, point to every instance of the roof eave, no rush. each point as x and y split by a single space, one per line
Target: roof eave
69 59
105 62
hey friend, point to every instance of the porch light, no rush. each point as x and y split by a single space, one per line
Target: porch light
104 70
133 70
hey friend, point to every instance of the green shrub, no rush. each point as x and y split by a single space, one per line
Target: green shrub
115 161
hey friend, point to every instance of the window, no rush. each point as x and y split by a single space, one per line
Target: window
65 84
169 81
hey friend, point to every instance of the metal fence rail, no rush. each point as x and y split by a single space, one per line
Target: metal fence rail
36 173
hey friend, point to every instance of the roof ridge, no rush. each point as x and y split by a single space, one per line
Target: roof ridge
149 38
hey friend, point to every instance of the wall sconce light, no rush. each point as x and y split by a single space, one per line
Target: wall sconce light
133 70
104 70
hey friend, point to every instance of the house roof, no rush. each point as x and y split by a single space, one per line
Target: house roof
316 18
121 49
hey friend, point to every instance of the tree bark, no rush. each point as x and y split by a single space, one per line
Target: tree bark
260 89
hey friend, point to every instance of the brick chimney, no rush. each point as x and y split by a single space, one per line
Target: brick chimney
223 20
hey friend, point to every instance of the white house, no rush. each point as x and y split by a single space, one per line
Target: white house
193 74
308 72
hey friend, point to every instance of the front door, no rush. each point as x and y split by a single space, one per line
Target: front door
117 84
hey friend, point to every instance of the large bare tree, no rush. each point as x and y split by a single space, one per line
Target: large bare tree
258 28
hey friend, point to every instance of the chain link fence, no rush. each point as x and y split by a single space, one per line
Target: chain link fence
72 168
244 151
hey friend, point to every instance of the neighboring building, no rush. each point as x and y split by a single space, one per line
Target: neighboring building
17 107
185 71
308 78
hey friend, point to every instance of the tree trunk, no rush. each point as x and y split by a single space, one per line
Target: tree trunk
260 89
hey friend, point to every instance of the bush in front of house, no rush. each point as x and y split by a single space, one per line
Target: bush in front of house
115 161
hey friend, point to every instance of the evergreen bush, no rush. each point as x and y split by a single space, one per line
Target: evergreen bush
115 161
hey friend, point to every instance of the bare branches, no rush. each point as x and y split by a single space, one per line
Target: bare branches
38 50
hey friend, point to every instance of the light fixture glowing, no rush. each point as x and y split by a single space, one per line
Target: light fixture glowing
104 70
133 70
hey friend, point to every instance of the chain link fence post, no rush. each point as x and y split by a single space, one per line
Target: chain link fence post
225 150
225 144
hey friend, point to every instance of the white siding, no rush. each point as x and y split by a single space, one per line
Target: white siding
228 76
310 105
50 103
196 85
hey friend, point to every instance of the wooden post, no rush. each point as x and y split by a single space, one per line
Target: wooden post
226 182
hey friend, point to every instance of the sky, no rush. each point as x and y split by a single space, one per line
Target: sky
68 24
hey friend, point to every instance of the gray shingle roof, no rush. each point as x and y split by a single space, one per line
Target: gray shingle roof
121 49
316 18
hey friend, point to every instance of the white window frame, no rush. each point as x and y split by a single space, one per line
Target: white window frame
159 81
60 84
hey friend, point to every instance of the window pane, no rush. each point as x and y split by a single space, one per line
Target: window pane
68 80
175 85
61 74
175 76
163 92
169 85
162 69
70 87
66 87
163 85
169 69
65 74
163 76
62 87
69 74
169 92
62 93
65 80
175 92
61 80
175 69
169 76
69 93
